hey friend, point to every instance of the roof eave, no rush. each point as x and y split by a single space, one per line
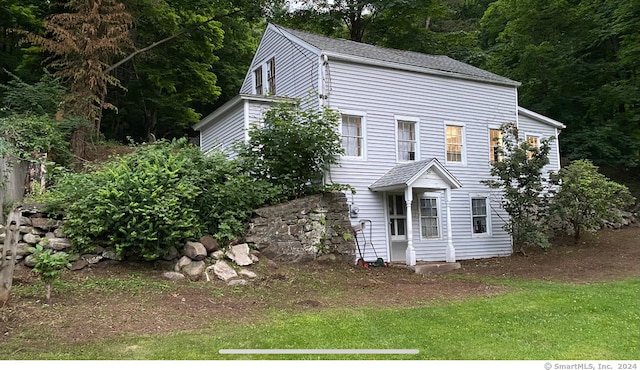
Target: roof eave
406 67
541 118
226 107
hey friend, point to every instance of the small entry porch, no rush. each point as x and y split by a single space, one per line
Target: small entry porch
399 185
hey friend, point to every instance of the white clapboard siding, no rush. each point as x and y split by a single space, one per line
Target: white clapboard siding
382 94
223 133
296 68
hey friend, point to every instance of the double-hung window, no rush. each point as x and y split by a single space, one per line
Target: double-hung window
257 79
495 143
271 76
429 218
352 136
534 143
455 143
479 216
406 133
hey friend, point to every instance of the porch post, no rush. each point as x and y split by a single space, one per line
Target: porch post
410 252
451 251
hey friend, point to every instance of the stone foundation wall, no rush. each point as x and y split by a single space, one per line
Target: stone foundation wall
316 227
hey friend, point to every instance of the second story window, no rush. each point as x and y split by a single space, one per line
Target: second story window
454 143
352 136
495 142
271 76
406 141
257 77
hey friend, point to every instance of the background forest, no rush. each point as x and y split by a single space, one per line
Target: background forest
578 60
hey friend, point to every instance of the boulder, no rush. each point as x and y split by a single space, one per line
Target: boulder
172 275
217 255
30 260
210 243
223 271
58 233
195 250
110 254
182 262
239 254
78 265
30 238
91 259
22 249
194 270
237 282
59 244
171 254
247 273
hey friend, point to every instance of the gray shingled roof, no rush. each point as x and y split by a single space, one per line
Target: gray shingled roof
403 173
440 63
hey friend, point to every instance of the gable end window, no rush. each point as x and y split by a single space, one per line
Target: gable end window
406 133
455 144
352 136
257 79
271 76
479 216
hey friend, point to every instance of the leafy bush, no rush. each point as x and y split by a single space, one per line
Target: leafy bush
156 198
48 266
293 149
586 197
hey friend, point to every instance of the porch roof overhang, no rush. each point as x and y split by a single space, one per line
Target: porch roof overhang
407 175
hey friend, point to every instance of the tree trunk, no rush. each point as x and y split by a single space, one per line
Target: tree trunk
48 287
79 140
10 245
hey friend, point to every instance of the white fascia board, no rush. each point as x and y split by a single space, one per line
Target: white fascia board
231 104
541 118
296 40
405 67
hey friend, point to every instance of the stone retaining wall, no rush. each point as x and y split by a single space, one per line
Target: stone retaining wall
316 227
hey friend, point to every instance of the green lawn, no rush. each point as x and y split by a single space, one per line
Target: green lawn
535 321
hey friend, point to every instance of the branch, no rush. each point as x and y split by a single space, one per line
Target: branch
183 31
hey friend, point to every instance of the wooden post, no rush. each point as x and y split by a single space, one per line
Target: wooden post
10 245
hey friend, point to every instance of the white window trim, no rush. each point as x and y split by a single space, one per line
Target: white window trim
265 84
487 198
416 120
464 142
489 128
437 197
363 122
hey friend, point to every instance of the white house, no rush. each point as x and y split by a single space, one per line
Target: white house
417 131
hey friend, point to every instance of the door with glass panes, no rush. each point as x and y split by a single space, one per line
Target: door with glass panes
397 213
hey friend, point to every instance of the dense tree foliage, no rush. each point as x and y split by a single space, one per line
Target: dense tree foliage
578 61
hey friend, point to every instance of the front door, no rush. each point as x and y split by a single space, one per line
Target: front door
397 226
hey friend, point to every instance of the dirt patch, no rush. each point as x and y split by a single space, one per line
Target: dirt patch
111 300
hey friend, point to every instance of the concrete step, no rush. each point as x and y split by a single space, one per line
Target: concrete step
436 268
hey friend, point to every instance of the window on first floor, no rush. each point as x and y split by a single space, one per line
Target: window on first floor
352 136
406 133
454 143
479 215
534 143
429 222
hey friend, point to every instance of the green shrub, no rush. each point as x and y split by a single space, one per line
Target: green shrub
49 266
586 198
293 149
156 198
